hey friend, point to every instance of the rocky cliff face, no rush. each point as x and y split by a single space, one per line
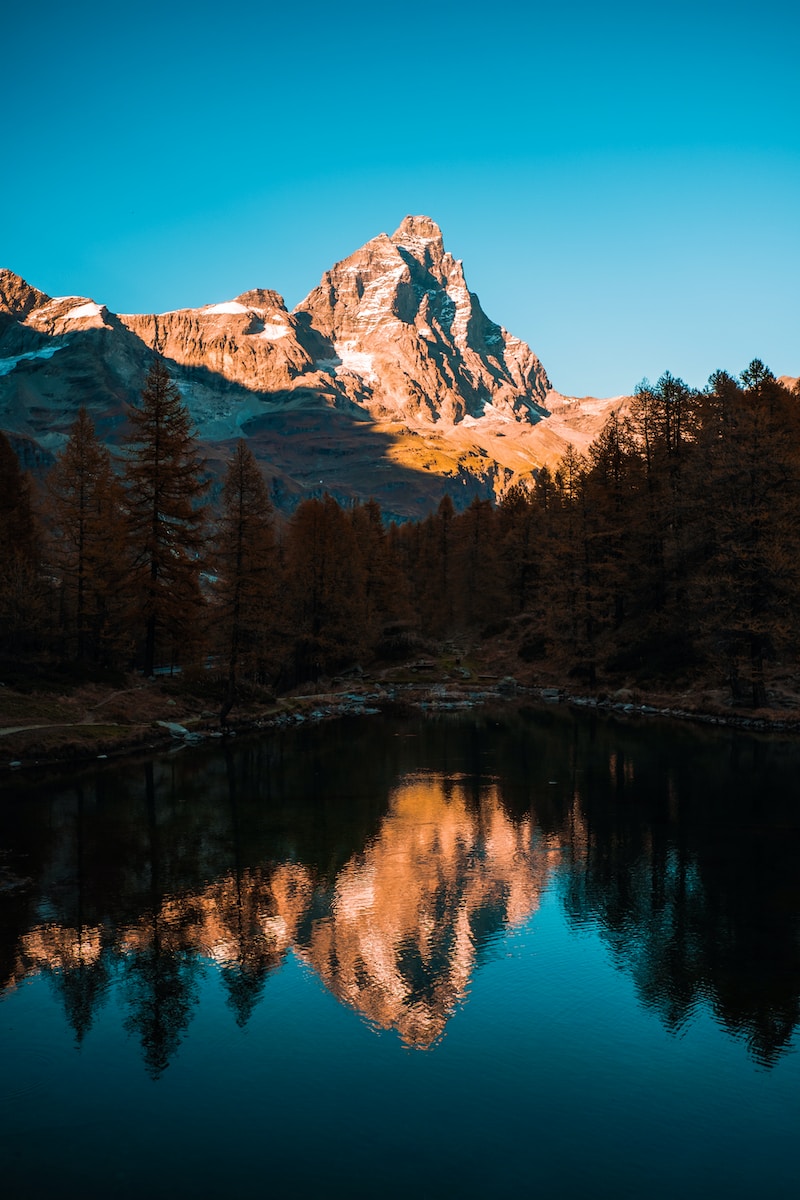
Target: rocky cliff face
388 380
412 342
17 298
251 341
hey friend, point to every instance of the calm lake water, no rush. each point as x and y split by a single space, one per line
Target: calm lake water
507 954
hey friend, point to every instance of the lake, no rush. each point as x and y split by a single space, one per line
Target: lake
512 952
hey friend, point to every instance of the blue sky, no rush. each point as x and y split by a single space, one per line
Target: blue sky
622 183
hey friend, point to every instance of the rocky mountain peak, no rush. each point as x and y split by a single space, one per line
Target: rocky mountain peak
17 297
417 227
410 340
264 299
388 376
422 238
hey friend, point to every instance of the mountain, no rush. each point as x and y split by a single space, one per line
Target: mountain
410 341
388 380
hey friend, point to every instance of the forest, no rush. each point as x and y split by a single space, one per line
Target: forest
668 553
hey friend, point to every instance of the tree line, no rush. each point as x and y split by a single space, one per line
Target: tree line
670 550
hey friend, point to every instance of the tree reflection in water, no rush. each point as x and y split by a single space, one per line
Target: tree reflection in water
390 856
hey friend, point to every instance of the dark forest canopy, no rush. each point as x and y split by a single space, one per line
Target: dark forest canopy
669 552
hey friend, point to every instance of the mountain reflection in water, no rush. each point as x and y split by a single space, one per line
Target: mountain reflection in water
391 858
409 916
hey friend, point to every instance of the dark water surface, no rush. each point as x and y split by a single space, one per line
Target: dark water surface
519 953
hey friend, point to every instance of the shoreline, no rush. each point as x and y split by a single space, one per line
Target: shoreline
24 746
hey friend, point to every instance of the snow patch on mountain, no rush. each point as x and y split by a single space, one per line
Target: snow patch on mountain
357 361
389 365
7 365
374 296
229 307
490 415
81 311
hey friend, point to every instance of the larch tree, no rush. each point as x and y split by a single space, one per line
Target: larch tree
385 586
664 419
613 480
570 583
324 613
22 592
87 545
477 579
527 519
518 547
433 571
244 560
750 486
164 484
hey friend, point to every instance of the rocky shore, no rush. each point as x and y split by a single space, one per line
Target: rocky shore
93 724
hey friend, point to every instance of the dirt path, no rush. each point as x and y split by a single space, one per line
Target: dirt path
51 725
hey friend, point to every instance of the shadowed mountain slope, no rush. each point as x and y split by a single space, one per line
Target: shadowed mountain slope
388 380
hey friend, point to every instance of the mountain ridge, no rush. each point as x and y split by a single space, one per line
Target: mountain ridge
388 379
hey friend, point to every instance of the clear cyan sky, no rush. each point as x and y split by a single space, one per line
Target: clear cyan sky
622 181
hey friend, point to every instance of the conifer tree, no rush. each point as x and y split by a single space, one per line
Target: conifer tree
244 560
749 485
88 542
433 571
385 587
17 524
664 418
518 547
613 482
164 484
527 527
324 605
477 582
571 603
22 591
